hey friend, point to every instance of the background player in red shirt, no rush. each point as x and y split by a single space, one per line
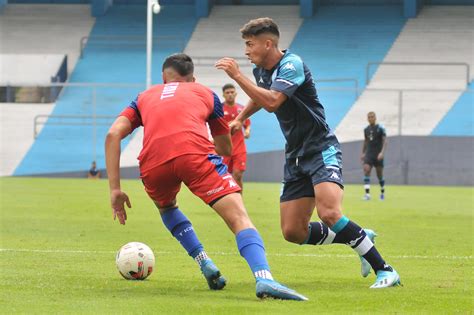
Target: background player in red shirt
237 161
176 149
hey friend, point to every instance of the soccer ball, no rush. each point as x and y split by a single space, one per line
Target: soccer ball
135 261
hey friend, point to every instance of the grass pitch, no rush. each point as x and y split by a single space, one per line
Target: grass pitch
58 244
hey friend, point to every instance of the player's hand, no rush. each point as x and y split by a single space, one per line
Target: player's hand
235 125
380 156
230 66
118 199
246 134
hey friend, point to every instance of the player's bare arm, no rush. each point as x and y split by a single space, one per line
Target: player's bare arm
223 144
270 100
382 152
247 132
248 111
119 130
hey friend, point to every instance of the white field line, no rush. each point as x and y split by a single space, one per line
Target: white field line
66 251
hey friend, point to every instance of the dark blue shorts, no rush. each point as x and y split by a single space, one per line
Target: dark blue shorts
302 173
371 159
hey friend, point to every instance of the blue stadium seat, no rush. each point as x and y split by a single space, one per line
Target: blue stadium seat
338 42
63 148
459 121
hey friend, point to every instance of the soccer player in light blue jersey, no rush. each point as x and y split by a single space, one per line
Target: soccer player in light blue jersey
313 168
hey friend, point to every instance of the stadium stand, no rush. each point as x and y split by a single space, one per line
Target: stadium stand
16 132
114 54
459 121
218 36
39 35
428 38
338 42
24 43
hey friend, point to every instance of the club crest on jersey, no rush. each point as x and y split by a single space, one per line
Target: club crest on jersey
261 80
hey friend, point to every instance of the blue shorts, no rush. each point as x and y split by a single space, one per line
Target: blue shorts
302 173
371 159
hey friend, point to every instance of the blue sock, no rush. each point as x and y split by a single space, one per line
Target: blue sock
183 231
251 247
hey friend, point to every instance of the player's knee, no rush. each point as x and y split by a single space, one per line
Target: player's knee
294 235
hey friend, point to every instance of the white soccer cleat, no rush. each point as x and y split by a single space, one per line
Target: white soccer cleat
365 267
386 279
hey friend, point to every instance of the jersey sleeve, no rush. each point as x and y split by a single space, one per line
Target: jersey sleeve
217 124
382 131
133 114
290 75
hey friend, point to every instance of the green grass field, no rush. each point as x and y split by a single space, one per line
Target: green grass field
58 244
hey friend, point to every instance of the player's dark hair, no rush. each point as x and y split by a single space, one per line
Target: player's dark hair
260 26
181 63
228 86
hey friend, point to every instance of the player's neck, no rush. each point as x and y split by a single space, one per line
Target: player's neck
230 104
273 59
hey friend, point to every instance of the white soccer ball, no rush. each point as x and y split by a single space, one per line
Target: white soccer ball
135 261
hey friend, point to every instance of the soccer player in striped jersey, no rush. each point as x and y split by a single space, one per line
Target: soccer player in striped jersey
313 168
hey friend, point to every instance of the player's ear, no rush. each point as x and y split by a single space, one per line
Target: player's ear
194 79
163 77
268 44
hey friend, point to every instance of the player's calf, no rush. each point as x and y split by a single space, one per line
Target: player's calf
295 234
182 229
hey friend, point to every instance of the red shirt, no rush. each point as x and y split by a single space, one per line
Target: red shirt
238 143
174 117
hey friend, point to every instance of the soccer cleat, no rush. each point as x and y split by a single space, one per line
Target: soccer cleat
365 267
272 289
386 279
212 274
382 197
366 197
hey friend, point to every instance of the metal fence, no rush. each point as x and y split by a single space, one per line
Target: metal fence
89 110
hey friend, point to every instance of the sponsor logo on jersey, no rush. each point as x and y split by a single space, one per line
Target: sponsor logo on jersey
289 66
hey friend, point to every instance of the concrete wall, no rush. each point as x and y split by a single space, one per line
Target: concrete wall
410 160
29 69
